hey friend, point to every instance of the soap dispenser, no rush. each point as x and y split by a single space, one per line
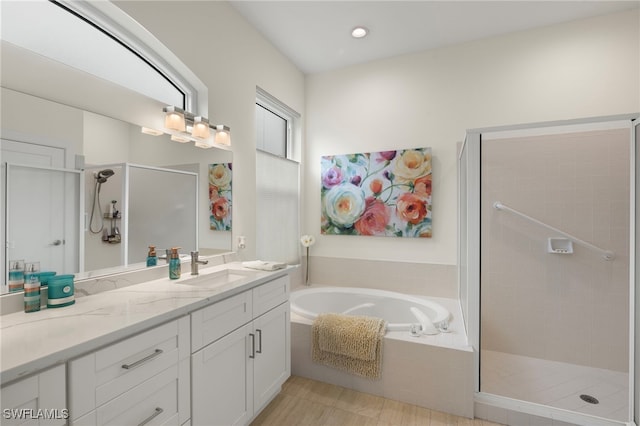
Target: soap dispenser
152 257
174 264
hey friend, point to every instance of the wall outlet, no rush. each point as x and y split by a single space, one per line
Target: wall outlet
242 243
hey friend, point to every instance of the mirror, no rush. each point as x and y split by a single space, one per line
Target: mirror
33 115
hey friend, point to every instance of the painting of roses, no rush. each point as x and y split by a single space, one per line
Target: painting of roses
385 193
220 197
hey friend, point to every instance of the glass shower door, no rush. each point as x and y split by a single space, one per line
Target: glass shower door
173 200
554 304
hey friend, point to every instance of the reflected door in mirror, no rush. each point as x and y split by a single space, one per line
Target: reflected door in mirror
36 227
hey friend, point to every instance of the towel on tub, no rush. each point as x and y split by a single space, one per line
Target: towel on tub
349 343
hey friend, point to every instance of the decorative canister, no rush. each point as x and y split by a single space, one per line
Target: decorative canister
60 292
45 276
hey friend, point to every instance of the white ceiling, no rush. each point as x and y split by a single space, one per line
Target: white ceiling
316 35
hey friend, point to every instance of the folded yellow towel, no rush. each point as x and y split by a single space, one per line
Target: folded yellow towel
350 335
350 343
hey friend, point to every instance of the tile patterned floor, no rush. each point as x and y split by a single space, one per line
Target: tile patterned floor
306 402
556 384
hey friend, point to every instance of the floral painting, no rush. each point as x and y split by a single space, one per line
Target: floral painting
385 193
220 196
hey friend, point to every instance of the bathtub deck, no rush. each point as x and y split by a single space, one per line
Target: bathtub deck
434 372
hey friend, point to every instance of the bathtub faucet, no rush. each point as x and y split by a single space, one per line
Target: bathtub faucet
195 262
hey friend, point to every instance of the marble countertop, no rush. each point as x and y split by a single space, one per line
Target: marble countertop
30 342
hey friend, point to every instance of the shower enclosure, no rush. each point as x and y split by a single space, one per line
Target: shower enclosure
155 206
546 267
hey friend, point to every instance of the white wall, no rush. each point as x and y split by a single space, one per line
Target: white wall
580 69
231 58
54 124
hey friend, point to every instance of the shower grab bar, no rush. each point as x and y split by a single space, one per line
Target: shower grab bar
606 254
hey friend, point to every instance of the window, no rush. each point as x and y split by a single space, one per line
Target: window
271 132
100 39
274 125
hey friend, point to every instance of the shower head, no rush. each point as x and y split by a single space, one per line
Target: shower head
103 175
106 173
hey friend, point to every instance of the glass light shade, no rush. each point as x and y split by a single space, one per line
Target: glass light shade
200 128
180 138
152 132
174 120
204 143
223 135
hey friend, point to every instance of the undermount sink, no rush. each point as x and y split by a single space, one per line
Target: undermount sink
213 279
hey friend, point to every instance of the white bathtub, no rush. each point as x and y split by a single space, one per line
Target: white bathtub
431 371
402 312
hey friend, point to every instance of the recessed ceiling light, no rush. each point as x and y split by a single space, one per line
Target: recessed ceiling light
359 32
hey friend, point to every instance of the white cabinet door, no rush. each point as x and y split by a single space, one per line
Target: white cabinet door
37 400
272 364
222 381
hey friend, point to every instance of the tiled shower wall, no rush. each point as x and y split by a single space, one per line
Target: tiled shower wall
564 307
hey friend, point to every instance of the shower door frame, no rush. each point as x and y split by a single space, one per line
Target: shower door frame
469 282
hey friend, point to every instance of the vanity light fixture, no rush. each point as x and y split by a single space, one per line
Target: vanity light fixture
175 119
180 138
152 132
223 135
200 128
184 126
359 32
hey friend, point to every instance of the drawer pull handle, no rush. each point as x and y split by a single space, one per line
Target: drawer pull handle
253 345
155 414
143 360
259 351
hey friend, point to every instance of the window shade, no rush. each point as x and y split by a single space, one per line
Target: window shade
277 203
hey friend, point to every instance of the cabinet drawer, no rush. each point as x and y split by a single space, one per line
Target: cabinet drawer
101 376
153 402
211 323
270 295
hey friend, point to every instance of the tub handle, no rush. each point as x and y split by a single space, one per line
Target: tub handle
253 346
259 332
424 320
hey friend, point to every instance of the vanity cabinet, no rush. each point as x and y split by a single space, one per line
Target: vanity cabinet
36 400
144 379
241 354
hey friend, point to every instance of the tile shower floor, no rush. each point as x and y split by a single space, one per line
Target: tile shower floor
306 402
557 384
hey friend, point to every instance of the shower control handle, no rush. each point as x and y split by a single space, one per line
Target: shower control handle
56 242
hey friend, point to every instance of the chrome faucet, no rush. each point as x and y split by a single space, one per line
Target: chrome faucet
195 262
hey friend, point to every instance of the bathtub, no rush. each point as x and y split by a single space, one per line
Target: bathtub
402 312
431 370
